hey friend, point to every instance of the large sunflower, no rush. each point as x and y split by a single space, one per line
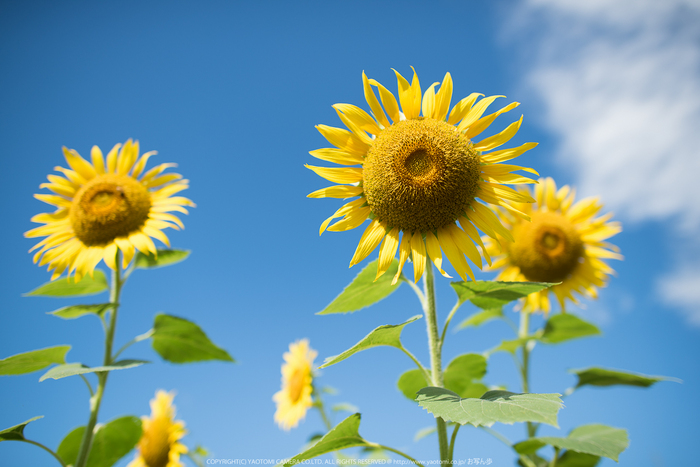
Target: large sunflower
105 206
564 243
160 445
294 399
420 175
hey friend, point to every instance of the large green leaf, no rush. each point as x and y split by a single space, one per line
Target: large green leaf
16 433
410 382
481 317
66 287
492 407
164 258
344 435
389 334
72 369
35 360
596 440
110 443
178 340
76 311
364 291
488 295
564 327
511 346
606 377
462 374
577 459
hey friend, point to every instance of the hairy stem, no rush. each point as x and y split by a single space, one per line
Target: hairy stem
96 399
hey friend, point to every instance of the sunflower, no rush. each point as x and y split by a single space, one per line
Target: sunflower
294 399
160 445
564 243
420 175
105 207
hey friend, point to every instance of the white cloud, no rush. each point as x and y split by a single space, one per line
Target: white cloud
620 82
682 290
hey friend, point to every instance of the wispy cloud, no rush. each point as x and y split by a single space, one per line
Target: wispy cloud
620 82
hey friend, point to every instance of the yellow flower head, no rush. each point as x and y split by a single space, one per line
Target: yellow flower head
416 169
294 399
104 206
159 445
564 243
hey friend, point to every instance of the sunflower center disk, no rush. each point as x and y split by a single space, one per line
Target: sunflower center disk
420 175
546 250
155 443
296 385
109 206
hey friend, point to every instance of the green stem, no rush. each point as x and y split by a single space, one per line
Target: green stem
96 399
87 383
553 462
450 454
60 461
497 435
524 333
426 373
417 290
396 451
435 350
322 409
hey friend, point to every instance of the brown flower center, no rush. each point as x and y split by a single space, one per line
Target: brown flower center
420 175
109 206
547 249
296 384
154 445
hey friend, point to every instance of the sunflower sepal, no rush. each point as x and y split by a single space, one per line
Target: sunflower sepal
364 290
178 340
68 287
111 442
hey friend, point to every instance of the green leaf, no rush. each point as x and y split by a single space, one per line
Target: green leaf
597 440
35 360
606 377
66 287
492 407
511 346
344 407
481 317
364 291
178 340
423 432
164 258
410 382
344 435
72 369
488 295
110 443
577 459
462 372
16 433
389 334
564 327
76 311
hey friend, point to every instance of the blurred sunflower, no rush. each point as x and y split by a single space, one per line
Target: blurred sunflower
420 175
103 207
294 399
160 443
564 243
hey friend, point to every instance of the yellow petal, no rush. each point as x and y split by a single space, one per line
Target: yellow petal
54 200
374 103
465 244
476 112
388 251
388 100
506 154
418 255
98 160
80 165
443 98
343 139
371 237
359 118
112 158
499 139
337 156
484 122
405 96
432 246
404 252
338 174
491 219
429 101
162 180
337 191
141 164
460 110
453 254
357 131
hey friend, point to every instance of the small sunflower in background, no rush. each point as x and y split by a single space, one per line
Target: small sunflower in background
294 399
565 242
418 172
160 443
105 206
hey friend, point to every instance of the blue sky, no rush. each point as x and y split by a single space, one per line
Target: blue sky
231 93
